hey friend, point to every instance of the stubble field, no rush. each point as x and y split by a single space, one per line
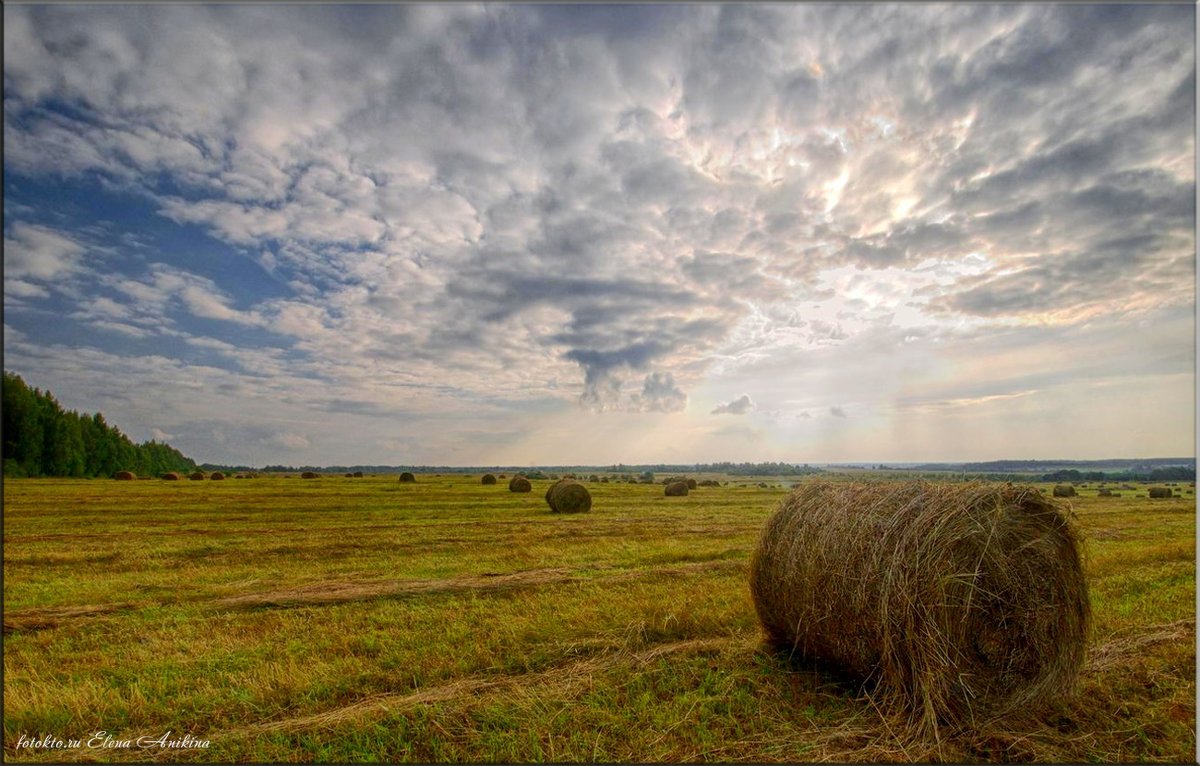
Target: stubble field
345 619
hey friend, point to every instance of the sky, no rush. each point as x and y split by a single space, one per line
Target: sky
590 234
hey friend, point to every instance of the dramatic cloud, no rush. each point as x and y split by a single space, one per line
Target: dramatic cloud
445 215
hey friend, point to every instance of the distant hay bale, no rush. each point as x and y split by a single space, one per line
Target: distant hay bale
1160 492
594 478
349 476
124 476
308 475
708 483
197 476
501 476
407 477
676 489
1105 493
1064 490
217 476
170 476
488 479
948 601
519 484
691 483
358 474
568 496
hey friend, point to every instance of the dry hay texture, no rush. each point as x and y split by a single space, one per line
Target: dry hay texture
1160 492
488 479
308 475
197 476
568 496
691 483
947 601
676 489
170 476
406 477
519 484
1064 490
124 476
217 476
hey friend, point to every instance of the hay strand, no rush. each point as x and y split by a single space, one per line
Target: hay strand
948 601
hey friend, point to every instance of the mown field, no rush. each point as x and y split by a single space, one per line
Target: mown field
345 619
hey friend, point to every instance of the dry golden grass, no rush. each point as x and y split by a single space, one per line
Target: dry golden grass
442 621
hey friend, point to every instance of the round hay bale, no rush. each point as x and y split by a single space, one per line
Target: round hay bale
308 475
1160 492
197 476
488 479
358 474
519 484
501 476
568 496
407 477
1064 490
947 600
603 479
217 476
124 476
691 483
1104 493
594 478
349 476
170 476
676 489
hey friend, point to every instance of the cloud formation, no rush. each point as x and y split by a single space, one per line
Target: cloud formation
739 406
440 210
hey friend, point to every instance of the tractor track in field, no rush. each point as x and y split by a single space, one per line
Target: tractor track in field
346 591
567 678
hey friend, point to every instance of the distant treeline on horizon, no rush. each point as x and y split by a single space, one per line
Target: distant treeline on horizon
43 439
733 469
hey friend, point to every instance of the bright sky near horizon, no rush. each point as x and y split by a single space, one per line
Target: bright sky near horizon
477 235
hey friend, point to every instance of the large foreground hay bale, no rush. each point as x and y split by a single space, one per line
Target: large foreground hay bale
519 484
1064 490
1160 492
170 476
947 600
676 489
124 476
406 477
488 479
197 476
568 496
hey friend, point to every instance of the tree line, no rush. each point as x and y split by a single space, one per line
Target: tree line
42 439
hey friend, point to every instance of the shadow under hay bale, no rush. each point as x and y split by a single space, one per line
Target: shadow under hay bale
519 484
1064 490
170 476
947 601
124 476
568 496
676 489
1160 492
407 477
488 479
